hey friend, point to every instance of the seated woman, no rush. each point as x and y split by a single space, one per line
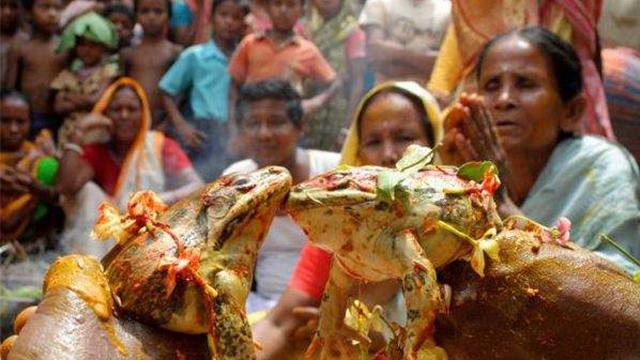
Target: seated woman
392 116
27 172
531 87
269 117
136 158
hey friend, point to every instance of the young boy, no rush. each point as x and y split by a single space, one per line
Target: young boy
149 60
10 34
35 63
281 53
124 19
200 73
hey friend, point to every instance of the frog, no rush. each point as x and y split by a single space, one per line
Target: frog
188 268
403 224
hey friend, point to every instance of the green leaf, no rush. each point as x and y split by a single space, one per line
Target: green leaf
475 170
343 167
415 158
387 183
636 277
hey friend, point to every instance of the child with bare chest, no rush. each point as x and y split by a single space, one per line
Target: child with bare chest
148 61
35 63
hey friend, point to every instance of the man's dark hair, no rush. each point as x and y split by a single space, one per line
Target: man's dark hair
565 63
270 89
120 9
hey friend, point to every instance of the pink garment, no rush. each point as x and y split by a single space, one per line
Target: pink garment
583 16
356 44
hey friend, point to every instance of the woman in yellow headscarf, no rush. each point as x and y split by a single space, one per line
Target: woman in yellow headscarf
390 117
135 158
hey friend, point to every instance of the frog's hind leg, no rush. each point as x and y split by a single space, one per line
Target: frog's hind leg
335 301
232 337
423 301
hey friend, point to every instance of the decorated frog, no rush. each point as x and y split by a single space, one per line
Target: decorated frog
401 223
189 268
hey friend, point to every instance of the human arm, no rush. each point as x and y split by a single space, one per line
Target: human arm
189 134
393 59
275 330
74 171
13 67
182 183
313 104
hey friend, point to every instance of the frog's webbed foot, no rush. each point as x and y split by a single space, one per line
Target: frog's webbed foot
231 338
334 303
423 301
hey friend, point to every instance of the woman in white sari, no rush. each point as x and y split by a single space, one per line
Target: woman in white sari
135 158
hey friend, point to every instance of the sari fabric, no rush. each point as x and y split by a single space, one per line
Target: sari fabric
141 170
596 185
38 159
477 21
323 128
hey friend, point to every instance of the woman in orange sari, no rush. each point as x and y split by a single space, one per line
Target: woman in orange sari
136 158
27 170
474 22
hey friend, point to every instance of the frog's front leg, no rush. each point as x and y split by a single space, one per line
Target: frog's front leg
232 332
423 301
335 301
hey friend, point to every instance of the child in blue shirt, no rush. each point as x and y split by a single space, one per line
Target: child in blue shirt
200 74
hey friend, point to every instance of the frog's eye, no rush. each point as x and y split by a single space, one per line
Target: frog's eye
242 183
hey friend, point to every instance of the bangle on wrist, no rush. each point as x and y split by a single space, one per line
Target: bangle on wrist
73 147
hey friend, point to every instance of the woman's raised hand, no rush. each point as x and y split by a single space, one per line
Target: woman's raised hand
470 134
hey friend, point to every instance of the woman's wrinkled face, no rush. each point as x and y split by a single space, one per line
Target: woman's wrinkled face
14 123
125 111
520 90
388 125
270 135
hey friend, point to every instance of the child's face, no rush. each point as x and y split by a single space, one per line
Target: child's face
89 52
9 15
153 16
228 21
327 8
269 132
14 123
124 26
46 15
284 13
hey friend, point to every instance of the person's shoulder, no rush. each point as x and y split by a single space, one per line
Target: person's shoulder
242 166
604 155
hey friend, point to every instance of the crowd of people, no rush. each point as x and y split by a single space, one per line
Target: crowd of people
100 99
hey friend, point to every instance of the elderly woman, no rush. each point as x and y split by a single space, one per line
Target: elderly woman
135 158
392 116
532 99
